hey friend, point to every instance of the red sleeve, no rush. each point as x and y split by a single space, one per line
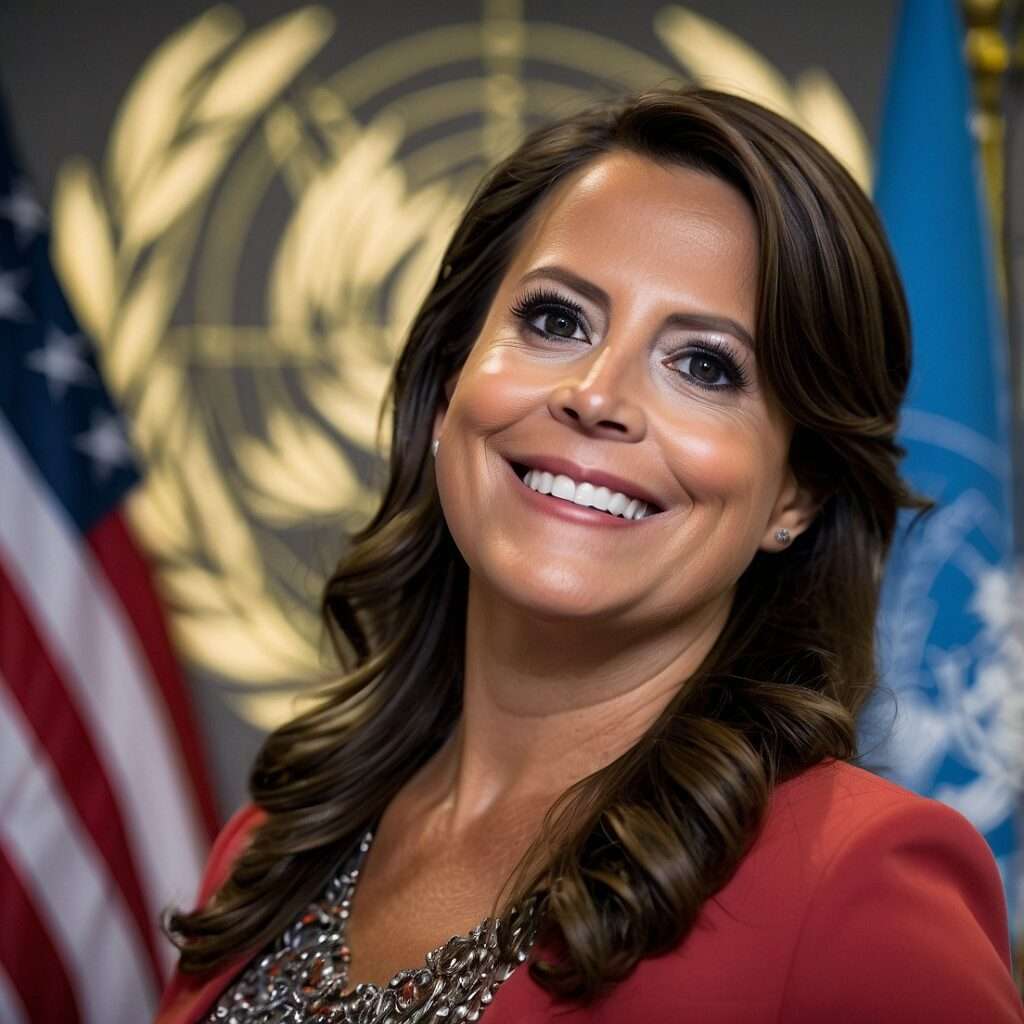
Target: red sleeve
186 995
908 923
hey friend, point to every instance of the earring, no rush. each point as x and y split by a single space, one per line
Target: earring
435 446
782 535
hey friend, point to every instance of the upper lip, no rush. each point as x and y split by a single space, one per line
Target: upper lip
583 474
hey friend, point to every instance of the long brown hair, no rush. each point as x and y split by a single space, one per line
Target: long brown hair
781 688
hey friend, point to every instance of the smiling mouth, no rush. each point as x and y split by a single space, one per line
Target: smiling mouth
615 504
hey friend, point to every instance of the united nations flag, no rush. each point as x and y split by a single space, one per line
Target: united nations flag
951 625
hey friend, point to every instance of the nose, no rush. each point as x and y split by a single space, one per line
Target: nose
599 402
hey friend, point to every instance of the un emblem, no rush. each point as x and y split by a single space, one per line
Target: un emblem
951 633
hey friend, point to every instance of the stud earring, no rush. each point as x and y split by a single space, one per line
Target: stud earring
435 446
782 535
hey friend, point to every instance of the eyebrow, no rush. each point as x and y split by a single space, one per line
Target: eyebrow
705 321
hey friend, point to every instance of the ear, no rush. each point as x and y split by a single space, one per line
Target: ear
442 408
794 510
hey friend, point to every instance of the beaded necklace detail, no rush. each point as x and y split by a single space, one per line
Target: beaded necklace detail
302 977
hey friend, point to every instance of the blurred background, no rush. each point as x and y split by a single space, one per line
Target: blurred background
247 201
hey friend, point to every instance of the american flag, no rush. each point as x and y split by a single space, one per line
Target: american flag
105 813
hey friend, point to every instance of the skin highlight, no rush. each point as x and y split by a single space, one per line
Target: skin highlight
577 637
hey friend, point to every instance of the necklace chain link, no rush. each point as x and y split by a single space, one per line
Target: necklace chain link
303 977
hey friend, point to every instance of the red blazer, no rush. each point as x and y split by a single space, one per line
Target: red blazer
860 903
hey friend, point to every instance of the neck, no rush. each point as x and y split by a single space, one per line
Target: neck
547 702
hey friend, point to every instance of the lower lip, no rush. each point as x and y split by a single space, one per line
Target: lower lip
569 512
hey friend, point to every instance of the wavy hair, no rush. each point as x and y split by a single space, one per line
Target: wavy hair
780 689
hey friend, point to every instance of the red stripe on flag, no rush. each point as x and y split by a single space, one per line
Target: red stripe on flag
33 680
129 574
29 956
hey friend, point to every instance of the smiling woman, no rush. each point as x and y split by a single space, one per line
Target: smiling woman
604 652
615 343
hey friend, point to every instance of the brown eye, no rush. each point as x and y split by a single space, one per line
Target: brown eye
710 369
705 368
560 324
552 316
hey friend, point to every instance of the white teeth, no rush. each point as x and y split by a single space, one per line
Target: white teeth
563 487
586 494
538 481
618 503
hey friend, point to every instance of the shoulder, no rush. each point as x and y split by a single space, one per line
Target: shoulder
232 839
859 901
900 888
834 804
849 832
837 822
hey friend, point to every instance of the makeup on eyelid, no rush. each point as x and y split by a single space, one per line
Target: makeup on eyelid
538 301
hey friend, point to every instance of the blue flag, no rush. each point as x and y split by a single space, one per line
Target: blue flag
950 628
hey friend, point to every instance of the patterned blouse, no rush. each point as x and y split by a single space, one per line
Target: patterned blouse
302 977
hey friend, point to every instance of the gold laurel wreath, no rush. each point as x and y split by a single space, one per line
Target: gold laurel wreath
356 255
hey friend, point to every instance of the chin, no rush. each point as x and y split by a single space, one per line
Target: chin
553 598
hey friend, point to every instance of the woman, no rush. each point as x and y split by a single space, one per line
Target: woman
605 651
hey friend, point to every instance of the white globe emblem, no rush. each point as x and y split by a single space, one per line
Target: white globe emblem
959 725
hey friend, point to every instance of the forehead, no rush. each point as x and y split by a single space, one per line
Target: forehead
625 218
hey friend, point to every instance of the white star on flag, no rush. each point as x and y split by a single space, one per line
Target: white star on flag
62 361
12 306
104 442
21 209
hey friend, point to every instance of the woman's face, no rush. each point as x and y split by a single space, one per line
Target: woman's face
619 343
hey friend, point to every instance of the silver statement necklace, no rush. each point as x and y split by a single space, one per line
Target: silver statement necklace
302 977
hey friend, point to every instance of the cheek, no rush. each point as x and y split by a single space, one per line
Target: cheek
735 466
494 390
482 405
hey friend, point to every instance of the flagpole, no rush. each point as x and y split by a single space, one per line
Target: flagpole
994 49
988 57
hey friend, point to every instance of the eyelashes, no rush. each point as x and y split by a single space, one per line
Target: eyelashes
717 352
533 303
707 351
